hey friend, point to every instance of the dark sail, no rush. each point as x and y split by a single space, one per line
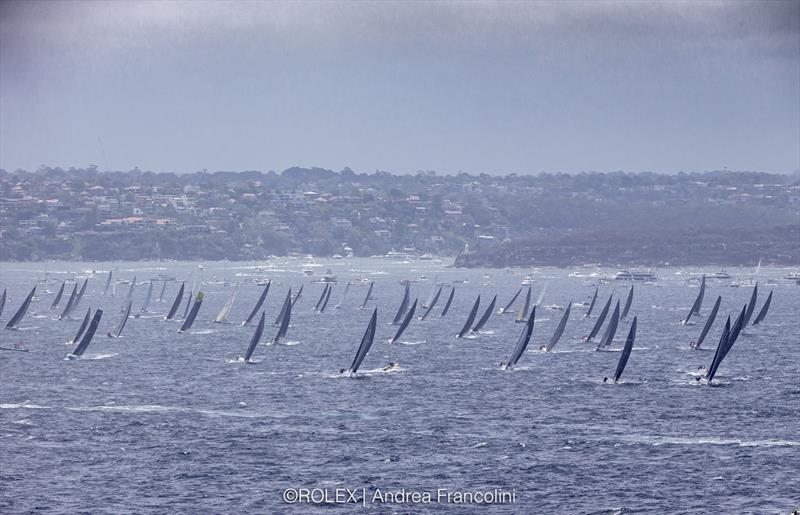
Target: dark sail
723 341
176 303
258 304
750 306
700 296
368 295
2 301
147 297
431 304
325 302
600 319
58 296
628 303
594 300
764 309
511 302
79 297
626 351
403 305
122 321
89 334
297 297
709 322
485 317
406 321
287 301
470 318
611 329
255 339
287 317
446 307
187 323
70 302
163 289
21 311
322 296
108 283
366 343
523 340
560 328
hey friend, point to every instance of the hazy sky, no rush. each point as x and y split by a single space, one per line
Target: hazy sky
472 86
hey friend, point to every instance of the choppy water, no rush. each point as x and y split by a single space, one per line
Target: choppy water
157 421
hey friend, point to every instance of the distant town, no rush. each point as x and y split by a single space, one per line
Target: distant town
644 219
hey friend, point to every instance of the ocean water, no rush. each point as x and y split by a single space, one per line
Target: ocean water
157 421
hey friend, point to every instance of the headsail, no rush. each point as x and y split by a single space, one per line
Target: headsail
709 322
187 324
287 316
485 317
591 305
600 319
446 307
255 339
628 303
403 304
723 341
470 318
626 351
89 334
15 320
122 322
58 296
79 297
522 314
366 343
611 329
176 303
560 328
82 326
764 309
258 304
226 309
287 302
405 322
368 295
522 341
431 304
510 303
750 306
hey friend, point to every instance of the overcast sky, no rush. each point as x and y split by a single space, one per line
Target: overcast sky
462 86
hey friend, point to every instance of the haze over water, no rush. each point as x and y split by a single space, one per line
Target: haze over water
156 418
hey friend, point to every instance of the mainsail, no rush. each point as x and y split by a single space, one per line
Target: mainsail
522 314
366 343
403 305
626 351
600 319
176 303
287 316
12 324
628 303
258 304
511 302
108 283
405 322
79 297
146 302
58 296
695 309
611 329
187 323
522 341
255 339
89 334
70 303
709 322
129 297
368 296
2 301
163 289
485 317
750 306
560 328
446 307
122 322
723 341
287 302
325 302
431 304
764 309
82 326
470 318
591 305
297 297
322 296
226 309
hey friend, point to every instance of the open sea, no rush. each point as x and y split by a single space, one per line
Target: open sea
157 421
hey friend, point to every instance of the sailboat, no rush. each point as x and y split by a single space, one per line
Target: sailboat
403 305
431 304
187 323
611 330
147 297
129 297
406 320
507 307
522 314
226 309
750 305
70 302
763 313
367 297
176 303
297 297
708 324
258 303
363 348
163 289
628 303
522 342
108 283
591 305
82 327
122 322
57 299
2 301
283 328
626 352
447 304
559 329
255 339
17 318
344 296
287 302
327 298
600 319
322 296
485 317
695 309
87 336
470 318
